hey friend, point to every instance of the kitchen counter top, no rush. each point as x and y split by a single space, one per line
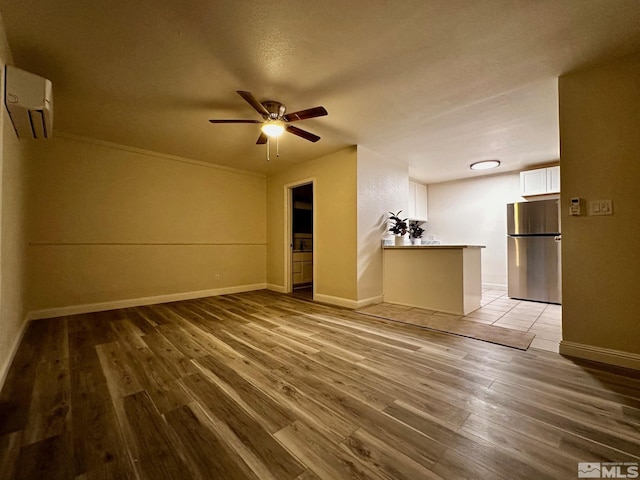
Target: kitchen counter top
419 247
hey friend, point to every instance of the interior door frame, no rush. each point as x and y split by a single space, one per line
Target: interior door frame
288 232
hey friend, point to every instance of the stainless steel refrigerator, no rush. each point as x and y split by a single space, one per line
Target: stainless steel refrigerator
533 247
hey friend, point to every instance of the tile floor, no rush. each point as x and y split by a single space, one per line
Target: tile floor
543 319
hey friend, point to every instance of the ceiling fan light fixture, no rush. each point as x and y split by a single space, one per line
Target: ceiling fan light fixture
273 128
485 165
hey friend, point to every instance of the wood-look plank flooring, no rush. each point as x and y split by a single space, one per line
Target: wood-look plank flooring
264 386
448 323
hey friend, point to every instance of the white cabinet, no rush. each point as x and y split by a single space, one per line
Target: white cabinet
540 181
553 179
417 201
297 272
302 267
307 272
533 182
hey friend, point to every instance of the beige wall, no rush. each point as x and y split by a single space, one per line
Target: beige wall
109 223
12 229
335 241
383 186
600 145
473 211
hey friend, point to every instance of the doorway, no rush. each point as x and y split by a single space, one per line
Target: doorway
302 237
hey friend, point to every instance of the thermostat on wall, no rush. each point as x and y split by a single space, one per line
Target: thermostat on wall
574 208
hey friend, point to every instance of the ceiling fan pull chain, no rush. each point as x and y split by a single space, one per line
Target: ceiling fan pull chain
268 148
278 147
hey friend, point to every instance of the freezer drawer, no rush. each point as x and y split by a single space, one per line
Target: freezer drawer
533 218
534 270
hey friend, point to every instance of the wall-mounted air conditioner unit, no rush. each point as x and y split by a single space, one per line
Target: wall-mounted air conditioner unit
29 102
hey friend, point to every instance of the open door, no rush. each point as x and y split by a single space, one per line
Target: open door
301 240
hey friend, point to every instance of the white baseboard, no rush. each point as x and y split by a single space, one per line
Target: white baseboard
331 300
137 302
337 301
369 301
276 288
599 354
346 302
495 286
4 370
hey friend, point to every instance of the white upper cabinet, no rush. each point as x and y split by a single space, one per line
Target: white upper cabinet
533 182
540 181
553 179
417 201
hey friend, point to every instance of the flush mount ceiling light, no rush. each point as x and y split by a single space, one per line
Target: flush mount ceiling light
485 165
272 128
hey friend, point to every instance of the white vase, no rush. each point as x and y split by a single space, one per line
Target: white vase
399 240
416 241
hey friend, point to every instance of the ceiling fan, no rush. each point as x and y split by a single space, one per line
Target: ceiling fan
275 120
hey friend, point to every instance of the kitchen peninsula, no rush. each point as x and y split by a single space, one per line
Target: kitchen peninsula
446 278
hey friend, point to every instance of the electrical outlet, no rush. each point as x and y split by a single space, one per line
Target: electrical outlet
217 276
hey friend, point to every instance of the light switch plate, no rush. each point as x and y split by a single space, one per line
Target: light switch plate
600 207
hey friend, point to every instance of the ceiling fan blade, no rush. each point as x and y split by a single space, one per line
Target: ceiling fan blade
235 121
262 139
251 100
302 133
304 114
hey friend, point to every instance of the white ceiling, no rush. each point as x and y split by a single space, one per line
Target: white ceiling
438 84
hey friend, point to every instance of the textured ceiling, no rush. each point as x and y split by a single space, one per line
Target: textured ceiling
436 84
